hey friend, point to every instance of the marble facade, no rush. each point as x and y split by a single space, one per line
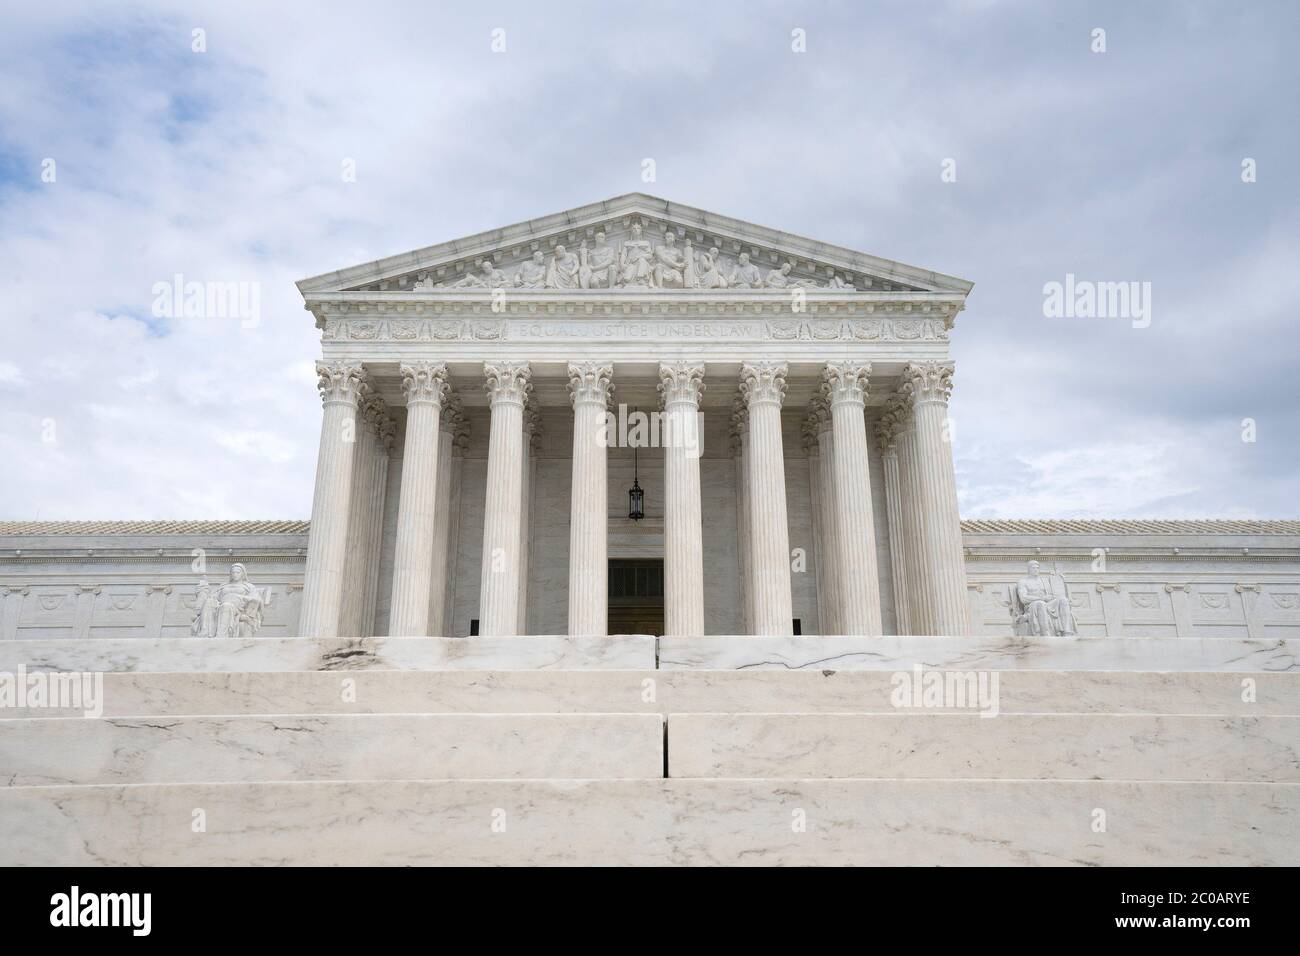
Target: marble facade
461 478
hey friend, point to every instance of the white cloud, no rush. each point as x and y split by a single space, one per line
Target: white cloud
225 165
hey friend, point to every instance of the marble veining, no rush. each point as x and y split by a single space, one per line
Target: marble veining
547 652
980 653
917 745
329 747
663 822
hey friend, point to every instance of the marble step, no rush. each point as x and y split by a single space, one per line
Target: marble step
131 750
979 653
938 745
642 652
655 822
543 652
149 694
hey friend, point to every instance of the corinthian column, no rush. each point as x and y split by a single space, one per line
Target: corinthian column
532 437
448 424
821 412
590 389
813 455
322 592
887 440
425 386
846 390
351 605
365 518
930 385
507 386
740 449
680 384
915 601
763 386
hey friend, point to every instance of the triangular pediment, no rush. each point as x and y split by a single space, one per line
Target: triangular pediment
634 243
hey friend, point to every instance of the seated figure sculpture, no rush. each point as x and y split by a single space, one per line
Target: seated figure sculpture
233 609
1040 605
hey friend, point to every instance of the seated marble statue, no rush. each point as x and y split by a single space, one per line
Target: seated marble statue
562 273
669 264
747 275
532 274
634 260
710 270
232 610
596 268
1040 605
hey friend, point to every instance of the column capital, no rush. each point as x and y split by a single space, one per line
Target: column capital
591 383
763 382
928 381
681 382
845 382
340 382
507 382
425 382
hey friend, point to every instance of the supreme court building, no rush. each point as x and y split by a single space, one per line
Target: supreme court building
637 417
488 405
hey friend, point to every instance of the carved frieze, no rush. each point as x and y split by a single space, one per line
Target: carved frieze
646 255
620 329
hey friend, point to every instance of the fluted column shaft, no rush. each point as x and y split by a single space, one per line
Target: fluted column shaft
846 385
362 561
829 519
590 389
532 426
812 454
740 448
425 385
886 438
508 386
441 562
322 592
352 606
681 384
916 568
763 385
930 384
459 445
383 447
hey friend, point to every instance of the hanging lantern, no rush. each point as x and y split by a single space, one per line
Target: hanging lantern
635 501
635 496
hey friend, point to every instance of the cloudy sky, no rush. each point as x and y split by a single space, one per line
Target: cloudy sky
225 165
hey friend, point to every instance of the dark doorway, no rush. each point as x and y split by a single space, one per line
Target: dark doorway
636 596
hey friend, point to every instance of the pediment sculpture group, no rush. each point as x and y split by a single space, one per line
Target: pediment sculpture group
635 264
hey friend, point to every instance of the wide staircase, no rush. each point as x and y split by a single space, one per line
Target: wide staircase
631 750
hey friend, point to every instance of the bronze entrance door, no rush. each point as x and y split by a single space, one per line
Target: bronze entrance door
636 596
